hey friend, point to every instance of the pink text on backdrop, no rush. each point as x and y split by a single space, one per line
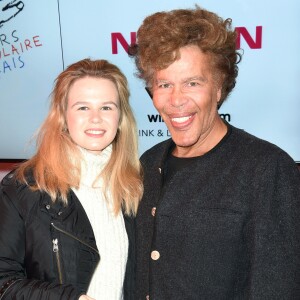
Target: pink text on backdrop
253 42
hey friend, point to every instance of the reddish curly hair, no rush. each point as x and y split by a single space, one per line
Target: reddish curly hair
162 34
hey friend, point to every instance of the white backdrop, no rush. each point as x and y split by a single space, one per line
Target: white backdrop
43 38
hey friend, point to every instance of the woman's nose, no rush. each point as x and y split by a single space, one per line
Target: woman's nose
96 116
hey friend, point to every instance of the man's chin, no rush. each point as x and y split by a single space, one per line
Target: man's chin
182 142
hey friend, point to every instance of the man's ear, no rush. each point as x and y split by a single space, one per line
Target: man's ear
219 95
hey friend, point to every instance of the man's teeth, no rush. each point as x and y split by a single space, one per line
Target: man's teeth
181 120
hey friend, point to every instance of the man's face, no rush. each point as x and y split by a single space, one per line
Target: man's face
186 95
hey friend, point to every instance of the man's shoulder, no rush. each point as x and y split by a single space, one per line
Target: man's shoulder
257 148
247 139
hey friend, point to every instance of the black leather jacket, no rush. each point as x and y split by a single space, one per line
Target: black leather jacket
48 251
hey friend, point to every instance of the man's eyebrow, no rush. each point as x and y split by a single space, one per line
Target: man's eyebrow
194 78
187 79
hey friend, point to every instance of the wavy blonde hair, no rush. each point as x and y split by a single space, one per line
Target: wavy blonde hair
57 154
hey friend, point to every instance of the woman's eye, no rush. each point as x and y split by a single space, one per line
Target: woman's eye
106 108
83 108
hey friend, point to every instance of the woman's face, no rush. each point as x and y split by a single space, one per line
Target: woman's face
93 113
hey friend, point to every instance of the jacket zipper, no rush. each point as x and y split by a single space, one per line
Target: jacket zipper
57 256
74 237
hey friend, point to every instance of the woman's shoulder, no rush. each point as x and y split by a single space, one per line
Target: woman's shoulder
18 193
11 183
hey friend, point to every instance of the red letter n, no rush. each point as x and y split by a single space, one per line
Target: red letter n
253 44
117 36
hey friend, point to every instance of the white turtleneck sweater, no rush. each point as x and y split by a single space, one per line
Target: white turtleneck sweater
109 229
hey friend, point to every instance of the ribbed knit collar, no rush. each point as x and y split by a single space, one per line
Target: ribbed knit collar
92 165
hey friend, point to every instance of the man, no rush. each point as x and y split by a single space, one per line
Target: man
219 218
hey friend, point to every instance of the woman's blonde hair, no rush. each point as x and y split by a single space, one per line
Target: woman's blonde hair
56 165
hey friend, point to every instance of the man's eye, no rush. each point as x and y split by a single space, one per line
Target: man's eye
164 85
193 83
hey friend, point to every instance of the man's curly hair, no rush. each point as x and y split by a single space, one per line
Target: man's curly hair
162 34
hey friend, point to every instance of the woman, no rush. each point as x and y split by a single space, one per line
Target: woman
66 214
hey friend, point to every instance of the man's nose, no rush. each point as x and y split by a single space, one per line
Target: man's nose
177 97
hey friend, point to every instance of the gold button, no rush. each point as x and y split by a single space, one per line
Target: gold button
155 255
153 210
